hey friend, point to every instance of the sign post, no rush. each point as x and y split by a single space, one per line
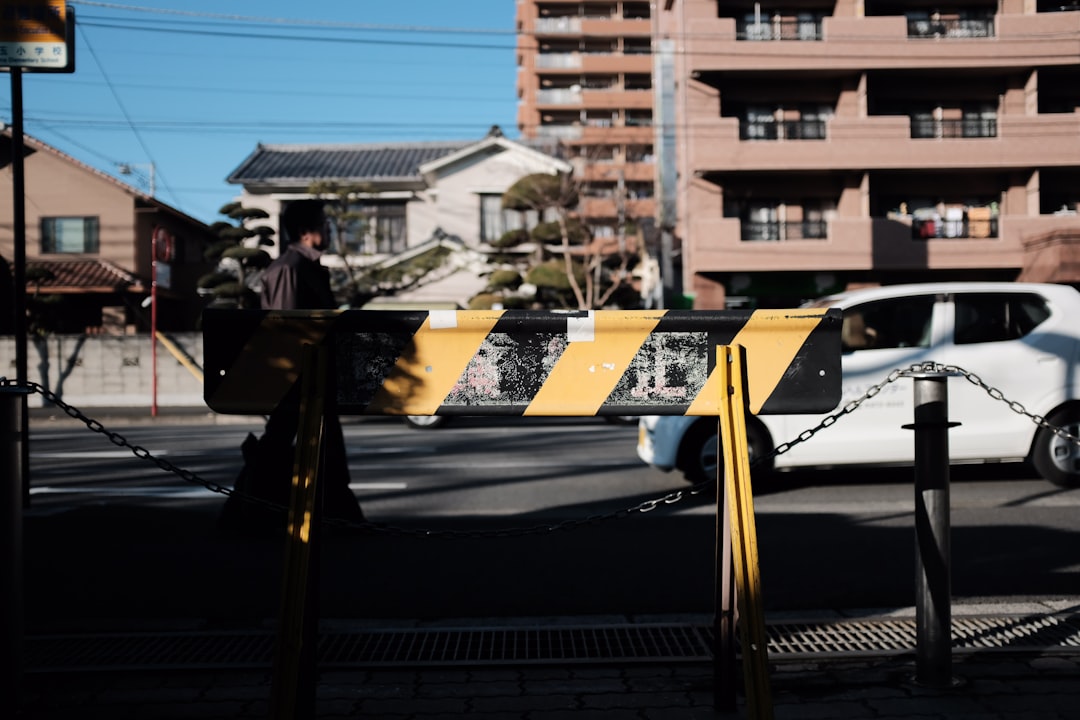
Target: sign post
38 36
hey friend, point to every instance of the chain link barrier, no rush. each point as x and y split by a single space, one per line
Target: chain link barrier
670 498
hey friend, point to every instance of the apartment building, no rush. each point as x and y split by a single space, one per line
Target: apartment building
820 144
585 79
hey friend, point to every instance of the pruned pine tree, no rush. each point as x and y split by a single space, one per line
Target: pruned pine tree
582 275
240 258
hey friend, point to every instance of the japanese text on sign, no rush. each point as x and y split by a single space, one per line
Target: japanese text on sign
33 33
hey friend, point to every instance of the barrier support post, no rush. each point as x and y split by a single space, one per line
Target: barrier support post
933 584
753 641
292 695
12 469
725 619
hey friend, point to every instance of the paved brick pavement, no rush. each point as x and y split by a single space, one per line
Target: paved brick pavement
992 685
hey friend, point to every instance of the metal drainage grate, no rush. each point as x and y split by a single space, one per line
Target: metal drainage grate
533 645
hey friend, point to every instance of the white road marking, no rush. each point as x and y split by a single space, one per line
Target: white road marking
196 492
179 493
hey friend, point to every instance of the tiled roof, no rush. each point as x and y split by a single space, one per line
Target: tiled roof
357 163
82 276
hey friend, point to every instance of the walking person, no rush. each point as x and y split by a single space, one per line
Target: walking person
296 280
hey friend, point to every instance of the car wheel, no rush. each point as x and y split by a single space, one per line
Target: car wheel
424 422
1056 458
697 452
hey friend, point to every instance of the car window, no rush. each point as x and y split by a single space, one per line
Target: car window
890 323
988 317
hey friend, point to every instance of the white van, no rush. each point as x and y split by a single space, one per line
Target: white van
1020 339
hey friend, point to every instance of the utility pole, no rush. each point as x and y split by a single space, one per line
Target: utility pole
129 169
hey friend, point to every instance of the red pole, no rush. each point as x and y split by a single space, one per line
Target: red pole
153 321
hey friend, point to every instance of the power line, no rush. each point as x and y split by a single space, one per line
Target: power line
295 38
248 125
123 110
293 22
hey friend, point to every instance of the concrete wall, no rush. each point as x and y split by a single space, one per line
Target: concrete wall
109 371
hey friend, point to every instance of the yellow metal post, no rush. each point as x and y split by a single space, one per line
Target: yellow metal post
731 364
725 673
293 691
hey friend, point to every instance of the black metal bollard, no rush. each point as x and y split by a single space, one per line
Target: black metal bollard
933 583
12 472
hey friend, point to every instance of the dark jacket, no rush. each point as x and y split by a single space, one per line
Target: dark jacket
296 280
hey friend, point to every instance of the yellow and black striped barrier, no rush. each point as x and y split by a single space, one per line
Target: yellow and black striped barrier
520 362
530 363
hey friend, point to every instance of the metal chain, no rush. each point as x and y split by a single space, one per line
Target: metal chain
191 477
137 450
642 507
1013 405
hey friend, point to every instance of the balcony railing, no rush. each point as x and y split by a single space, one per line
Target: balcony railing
784 130
805 30
553 61
951 28
780 231
558 25
949 129
959 228
561 132
558 96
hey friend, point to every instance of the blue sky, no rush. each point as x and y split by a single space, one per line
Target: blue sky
192 86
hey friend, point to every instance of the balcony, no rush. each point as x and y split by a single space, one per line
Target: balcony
715 244
951 28
615 98
558 61
559 132
558 25
558 96
783 130
784 231
598 207
888 141
779 29
1045 39
922 129
976 222
612 171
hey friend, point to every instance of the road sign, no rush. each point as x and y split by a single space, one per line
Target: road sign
522 362
34 34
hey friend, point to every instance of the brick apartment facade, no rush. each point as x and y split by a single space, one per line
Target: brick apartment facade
813 145
585 79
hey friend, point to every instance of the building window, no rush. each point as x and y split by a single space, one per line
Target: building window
374 228
495 221
996 318
70 235
891 323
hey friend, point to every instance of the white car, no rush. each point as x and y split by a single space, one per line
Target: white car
1021 339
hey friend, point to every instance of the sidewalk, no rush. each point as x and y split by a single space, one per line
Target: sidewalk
86 577
42 418
989 686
